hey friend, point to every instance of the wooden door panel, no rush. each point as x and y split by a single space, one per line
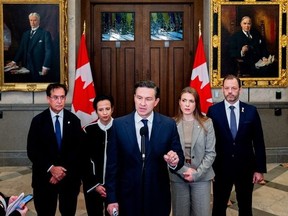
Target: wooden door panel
115 70
120 65
168 63
117 76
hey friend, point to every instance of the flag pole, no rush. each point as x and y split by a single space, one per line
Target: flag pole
84 27
199 28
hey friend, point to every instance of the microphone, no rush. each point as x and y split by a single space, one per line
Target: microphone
143 133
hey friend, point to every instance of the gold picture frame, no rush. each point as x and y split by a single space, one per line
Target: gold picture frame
14 24
269 18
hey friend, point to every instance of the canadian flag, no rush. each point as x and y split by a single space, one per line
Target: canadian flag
200 78
84 92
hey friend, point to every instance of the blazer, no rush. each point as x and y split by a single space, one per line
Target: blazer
95 154
36 52
202 152
42 148
246 153
124 166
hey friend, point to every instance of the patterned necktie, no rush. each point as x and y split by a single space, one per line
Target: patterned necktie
58 132
249 35
233 125
32 33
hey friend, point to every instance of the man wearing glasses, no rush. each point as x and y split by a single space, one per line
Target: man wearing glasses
53 147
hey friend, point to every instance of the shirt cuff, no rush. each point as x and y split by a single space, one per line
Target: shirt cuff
50 168
172 167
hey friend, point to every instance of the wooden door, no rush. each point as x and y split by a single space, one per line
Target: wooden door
117 67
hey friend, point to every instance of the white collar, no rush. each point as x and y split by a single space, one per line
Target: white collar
138 118
236 104
53 114
105 127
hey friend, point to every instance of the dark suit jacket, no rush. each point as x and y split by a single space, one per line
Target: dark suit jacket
43 152
36 52
257 50
124 166
257 46
246 154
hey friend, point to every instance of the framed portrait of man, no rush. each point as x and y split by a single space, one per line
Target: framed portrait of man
34 40
248 40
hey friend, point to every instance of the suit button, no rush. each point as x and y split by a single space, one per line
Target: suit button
232 155
193 157
234 143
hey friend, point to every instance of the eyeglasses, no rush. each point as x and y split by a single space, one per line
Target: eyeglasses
55 97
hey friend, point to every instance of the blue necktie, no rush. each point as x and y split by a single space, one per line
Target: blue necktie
233 125
58 132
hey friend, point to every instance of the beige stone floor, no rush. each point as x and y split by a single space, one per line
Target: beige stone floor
270 199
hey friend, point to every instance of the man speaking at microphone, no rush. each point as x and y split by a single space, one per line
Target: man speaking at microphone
137 181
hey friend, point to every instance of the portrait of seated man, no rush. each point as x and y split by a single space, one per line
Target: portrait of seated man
248 52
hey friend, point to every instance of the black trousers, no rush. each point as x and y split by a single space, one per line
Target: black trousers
46 197
95 204
222 187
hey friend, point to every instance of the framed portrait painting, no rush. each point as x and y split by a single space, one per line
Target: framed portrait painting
33 44
249 40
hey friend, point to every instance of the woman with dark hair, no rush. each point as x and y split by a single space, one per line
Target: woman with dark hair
96 143
191 185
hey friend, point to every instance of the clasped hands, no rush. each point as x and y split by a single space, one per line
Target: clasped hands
187 175
171 158
58 173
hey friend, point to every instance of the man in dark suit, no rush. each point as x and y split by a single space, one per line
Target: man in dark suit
137 180
246 48
35 51
53 144
240 149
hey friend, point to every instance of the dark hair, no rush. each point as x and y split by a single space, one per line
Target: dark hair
101 98
147 84
53 86
230 77
197 112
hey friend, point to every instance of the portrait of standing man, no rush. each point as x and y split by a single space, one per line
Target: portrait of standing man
35 51
49 44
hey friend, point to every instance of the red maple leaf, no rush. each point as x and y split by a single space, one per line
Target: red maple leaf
83 98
